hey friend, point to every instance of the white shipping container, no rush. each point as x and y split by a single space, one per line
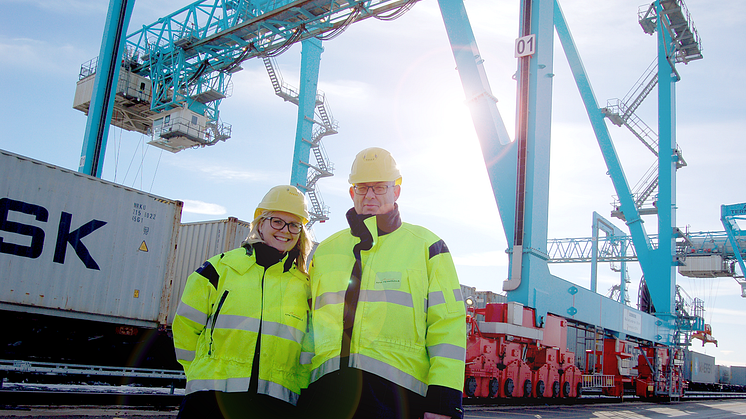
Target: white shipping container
723 374
199 242
76 246
738 375
700 368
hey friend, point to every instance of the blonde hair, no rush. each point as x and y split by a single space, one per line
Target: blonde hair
303 245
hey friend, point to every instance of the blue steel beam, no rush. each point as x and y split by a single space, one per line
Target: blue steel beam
661 275
309 79
102 99
612 233
729 214
596 116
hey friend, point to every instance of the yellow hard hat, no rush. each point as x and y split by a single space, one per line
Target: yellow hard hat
374 165
284 198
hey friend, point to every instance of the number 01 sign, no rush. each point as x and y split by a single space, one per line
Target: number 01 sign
525 45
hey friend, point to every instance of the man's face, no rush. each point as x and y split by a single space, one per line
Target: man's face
370 202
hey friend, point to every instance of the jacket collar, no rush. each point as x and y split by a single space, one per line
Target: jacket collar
263 255
267 256
373 225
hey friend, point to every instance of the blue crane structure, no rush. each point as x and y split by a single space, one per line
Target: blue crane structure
188 62
703 254
729 216
520 178
173 74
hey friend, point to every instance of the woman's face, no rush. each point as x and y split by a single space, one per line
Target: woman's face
276 230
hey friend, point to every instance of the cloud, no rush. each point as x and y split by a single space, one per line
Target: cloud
233 174
39 56
218 171
739 314
66 7
199 207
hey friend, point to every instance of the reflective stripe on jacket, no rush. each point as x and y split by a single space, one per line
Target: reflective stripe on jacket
219 317
409 325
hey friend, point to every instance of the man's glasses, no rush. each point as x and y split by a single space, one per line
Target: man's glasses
377 189
278 224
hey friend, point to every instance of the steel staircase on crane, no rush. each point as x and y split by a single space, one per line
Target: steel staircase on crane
326 125
686 47
615 291
621 112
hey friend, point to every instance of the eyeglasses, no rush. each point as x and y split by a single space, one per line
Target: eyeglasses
377 189
278 224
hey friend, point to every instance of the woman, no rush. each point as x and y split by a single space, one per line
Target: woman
243 315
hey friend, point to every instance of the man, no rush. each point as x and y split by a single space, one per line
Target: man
388 318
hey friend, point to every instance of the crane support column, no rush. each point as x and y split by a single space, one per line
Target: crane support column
533 134
107 75
309 80
662 284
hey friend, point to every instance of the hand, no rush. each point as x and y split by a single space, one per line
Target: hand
429 415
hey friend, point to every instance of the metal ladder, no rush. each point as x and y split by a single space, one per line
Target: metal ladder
326 125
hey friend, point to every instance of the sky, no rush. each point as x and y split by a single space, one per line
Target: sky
394 85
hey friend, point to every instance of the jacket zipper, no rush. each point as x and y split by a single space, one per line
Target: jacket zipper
215 319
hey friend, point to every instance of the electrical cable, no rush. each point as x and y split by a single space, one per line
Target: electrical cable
156 171
130 165
141 168
289 42
354 15
396 14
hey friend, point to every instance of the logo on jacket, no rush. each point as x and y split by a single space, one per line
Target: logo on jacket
293 315
388 280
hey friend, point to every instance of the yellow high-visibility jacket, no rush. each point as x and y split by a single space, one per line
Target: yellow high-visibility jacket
409 325
218 321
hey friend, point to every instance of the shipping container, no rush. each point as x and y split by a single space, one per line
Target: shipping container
700 368
723 374
80 247
481 298
467 291
738 375
199 242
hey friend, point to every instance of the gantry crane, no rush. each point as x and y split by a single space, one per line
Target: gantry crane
520 180
172 75
517 168
519 174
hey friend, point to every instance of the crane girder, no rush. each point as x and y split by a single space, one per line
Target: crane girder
729 214
191 53
692 244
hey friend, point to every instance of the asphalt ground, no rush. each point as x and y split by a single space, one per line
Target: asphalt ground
711 409
714 409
